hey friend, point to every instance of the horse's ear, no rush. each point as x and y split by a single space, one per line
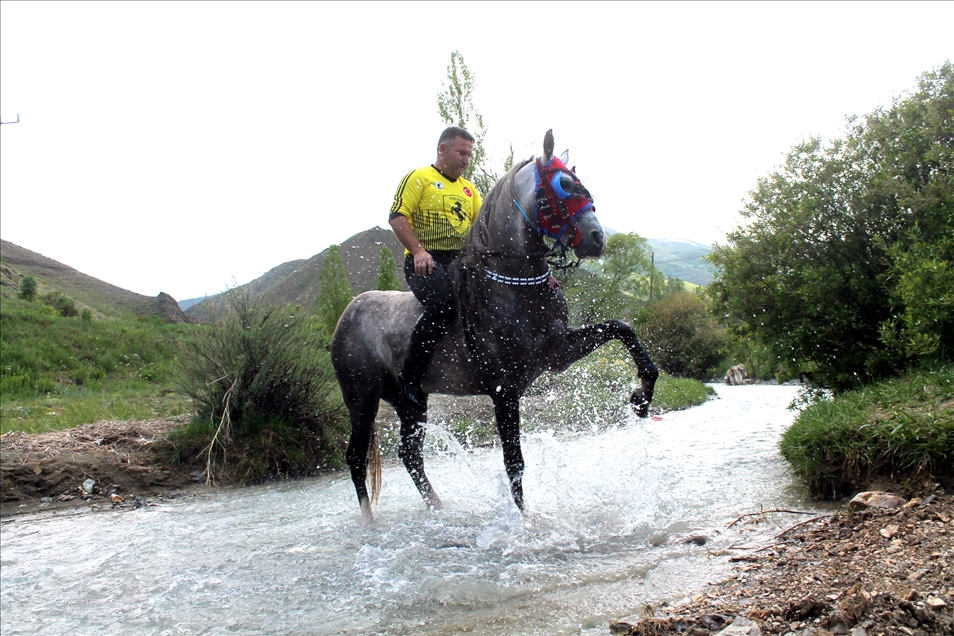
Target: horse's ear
565 157
548 146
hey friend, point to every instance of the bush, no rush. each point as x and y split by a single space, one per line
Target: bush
28 289
900 430
65 305
264 392
681 337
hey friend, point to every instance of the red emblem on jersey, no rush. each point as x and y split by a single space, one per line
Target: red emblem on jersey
468 192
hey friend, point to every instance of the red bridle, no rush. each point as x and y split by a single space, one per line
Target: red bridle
560 200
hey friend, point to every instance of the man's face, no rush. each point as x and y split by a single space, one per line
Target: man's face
453 157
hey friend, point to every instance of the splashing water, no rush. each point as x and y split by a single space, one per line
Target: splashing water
602 538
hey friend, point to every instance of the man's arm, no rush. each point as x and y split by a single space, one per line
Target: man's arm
423 262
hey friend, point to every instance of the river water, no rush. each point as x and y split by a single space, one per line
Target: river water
604 536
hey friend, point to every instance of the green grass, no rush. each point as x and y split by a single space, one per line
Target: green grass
901 430
58 372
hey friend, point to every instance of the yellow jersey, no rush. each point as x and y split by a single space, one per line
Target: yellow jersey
439 210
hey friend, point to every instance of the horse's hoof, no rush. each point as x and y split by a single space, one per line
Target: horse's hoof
639 404
415 397
367 518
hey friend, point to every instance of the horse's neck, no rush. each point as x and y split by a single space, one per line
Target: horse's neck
516 233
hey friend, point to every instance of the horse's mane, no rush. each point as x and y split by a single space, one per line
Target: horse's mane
501 197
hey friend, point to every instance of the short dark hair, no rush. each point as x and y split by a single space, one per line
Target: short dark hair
453 132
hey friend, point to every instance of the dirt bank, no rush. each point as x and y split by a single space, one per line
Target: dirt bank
874 573
124 460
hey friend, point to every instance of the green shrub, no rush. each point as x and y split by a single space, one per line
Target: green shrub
65 305
28 289
681 337
259 377
901 430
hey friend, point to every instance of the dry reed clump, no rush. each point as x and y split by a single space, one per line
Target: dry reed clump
107 436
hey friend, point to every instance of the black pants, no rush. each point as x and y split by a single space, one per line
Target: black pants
434 291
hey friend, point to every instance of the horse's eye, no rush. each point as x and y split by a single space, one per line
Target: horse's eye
562 184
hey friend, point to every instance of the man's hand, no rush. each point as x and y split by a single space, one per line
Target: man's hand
423 262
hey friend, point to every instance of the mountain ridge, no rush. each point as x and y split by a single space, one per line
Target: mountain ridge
102 298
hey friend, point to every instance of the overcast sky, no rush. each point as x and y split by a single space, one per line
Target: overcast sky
184 146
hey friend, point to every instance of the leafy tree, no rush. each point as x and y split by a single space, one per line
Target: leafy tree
387 272
455 103
836 242
334 294
28 289
617 284
682 338
913 146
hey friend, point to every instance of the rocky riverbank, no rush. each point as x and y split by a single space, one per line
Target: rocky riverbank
870 572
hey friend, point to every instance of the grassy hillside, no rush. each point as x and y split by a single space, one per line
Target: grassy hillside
683 260
58 372
298 282
103 299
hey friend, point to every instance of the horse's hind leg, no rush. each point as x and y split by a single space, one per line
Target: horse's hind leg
411 452
362 431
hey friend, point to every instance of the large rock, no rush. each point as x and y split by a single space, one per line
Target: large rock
875 499
736 375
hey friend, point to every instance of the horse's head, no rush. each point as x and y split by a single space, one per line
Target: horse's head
564 208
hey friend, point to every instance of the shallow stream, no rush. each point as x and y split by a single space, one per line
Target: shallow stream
607 518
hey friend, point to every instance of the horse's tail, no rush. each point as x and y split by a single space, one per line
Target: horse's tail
374 465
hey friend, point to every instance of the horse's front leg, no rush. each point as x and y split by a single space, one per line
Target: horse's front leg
585 340
411 453
507 411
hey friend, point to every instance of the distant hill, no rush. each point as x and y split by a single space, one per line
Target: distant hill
680 258
683 259
188 302
298 282
103 299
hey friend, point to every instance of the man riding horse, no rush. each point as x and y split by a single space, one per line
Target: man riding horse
492 321
432 210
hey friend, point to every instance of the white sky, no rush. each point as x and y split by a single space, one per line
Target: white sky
184 146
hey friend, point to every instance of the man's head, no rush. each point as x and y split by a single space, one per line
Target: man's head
454 150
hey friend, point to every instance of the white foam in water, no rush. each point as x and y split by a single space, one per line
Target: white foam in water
294 557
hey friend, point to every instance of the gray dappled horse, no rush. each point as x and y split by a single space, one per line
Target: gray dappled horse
511 325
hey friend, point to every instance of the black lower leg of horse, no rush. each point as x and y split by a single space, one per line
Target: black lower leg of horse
507 412
583 341
411 453
357 458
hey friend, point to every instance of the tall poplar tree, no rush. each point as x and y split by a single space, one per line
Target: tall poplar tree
335 292
387 272
455 103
